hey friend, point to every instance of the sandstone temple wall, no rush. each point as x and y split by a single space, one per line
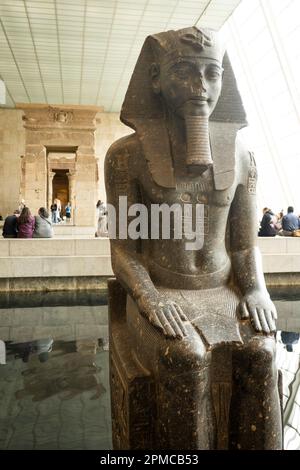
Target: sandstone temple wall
16 152
12 145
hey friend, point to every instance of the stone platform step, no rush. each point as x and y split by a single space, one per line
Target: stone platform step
56 247
72 258
65 230
55 266
52 257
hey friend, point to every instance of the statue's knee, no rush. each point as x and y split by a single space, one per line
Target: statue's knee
260 360
183 356
262 352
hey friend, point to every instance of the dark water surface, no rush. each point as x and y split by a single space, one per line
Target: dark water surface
54 387
54 378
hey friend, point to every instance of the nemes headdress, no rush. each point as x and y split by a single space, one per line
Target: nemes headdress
187 42
143 110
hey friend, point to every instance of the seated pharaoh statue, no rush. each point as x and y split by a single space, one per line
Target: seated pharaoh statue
191 322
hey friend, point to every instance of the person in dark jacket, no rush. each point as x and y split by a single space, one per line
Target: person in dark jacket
290 222
10 225
53 209
267 228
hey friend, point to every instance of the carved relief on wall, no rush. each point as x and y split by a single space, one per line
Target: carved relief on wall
22 180
60 115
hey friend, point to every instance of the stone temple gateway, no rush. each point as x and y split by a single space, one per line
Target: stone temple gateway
60 159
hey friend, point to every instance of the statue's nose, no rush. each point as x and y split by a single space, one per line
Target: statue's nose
199 82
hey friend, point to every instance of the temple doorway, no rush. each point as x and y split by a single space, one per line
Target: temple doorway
61 138
60 188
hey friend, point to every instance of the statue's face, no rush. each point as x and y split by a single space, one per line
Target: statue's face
191 86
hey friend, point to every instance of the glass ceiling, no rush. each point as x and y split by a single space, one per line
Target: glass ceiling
263 43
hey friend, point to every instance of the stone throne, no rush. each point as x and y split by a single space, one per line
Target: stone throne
135 422
189 395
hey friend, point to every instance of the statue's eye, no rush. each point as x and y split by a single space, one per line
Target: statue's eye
213 73
182 71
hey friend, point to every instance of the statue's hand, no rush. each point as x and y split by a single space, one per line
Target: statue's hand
167 316
258 306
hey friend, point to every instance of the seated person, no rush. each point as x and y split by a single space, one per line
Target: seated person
43 225
289 338
290 223
10 225
25 224
267 225
278 224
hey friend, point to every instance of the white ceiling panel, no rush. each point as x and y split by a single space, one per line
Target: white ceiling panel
84 51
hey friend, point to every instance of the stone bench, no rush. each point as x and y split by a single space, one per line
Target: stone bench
33 247
67 257
280 254
66 230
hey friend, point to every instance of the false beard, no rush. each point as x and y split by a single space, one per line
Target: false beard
197 139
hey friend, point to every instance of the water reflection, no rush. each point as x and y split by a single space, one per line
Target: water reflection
290 338
285 292
288 361
54 387
51 299
66 375
41 347
54 379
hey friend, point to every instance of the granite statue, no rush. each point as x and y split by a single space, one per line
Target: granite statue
191 331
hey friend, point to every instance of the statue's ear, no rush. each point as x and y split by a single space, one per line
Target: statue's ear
155 77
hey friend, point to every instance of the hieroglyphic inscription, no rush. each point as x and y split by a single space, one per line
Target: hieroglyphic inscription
190 224
252 175
121 175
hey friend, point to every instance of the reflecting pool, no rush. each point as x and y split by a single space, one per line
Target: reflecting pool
54 381
287 302
54 378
